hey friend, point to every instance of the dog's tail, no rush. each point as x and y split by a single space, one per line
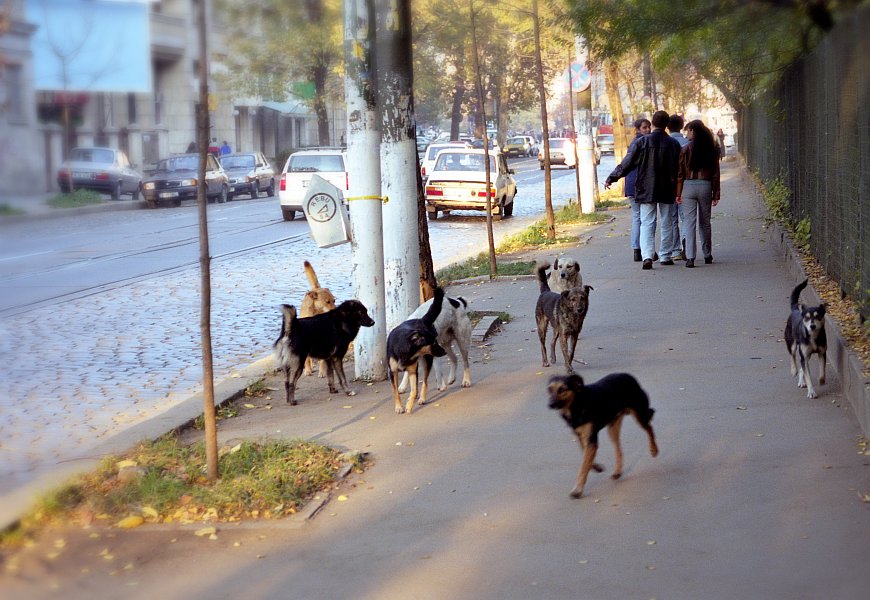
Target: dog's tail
435 309
542 276
311 275
281 347
796 294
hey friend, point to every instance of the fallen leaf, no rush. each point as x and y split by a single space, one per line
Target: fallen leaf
150 512
130 522
125 464
247 405
205 531
741 408
342 498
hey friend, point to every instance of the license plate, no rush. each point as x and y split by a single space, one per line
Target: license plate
232 188
80 175
169 194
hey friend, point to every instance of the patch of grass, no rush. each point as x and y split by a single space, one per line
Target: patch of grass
257 388
163 482
479 265
475 316
226 411
75 199
10 211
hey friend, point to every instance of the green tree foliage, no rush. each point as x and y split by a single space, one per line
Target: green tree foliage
741 46
279 47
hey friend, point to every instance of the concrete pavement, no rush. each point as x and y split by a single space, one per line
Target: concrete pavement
758 492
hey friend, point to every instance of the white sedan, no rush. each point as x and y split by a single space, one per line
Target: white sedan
458 182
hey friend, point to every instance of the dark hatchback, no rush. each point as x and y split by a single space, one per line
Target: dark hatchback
174 180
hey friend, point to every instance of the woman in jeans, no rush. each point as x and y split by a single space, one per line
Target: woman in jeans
641 128
698 188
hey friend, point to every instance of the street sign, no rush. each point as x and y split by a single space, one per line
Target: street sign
326 213
581 78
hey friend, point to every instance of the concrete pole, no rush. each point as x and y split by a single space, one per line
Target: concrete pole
585 153
398 159
364 195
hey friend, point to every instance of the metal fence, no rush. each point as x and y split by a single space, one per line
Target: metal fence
812 131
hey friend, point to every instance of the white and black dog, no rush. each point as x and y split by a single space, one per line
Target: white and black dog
452 325
565 274
411 347
805 336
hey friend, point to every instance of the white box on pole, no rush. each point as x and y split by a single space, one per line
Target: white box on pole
326 213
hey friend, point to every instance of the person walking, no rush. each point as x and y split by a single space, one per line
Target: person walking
641 128
698 189
225 148
675 127
721 136
655 157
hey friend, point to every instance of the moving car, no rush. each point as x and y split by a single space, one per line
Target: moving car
604 141
104 170
432 153
174 180
458 182
561 153
517 146
249 173
328 163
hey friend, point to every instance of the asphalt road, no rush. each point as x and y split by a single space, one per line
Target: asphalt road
99 314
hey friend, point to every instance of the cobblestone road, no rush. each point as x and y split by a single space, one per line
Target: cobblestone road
79 372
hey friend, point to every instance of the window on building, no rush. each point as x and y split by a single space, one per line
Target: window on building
12 78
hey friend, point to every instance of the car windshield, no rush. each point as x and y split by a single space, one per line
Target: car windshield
433 151
314 163
178 163
236 162
557 143
517 140
462 161
94 155
605 137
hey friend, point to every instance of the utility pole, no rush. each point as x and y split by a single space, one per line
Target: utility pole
586 155
542 92
364 195
573 127
395 75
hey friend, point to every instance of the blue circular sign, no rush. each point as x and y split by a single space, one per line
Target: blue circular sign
581 78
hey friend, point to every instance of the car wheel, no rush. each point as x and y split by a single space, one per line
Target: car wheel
222 197
135 194
175 203
508 209
151 203
542 166
433 214
116 191
288 214
271 191
254 191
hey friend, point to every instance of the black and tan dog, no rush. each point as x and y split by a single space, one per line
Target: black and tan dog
805 336
589 408
566 312
409 342
326 336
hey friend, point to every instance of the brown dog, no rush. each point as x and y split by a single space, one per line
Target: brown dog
316 301
587 409
566 312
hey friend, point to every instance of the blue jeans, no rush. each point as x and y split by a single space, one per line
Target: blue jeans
697 206
678 216
648 214
635 223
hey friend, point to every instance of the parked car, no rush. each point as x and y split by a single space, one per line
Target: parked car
458 182
561 153
174 180
328 163
432 153
249 173
104 170
604 141
518 146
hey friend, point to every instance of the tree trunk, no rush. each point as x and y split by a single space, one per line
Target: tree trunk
320 106
611 83
456 110
427 268
542 92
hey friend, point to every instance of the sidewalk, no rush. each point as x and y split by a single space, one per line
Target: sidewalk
757 492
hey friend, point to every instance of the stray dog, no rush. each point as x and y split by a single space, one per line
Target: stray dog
566 312
805 336
407 344
452 325
588 408
316 301
565 275
325 336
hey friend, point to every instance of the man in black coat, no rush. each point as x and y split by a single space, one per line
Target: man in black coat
655 157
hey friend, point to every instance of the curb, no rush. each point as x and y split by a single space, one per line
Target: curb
849 366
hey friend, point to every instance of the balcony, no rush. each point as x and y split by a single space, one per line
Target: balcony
169 37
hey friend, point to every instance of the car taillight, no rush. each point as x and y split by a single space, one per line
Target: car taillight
423 171
283 186
346 181
483 193
63 174
101 176
433 191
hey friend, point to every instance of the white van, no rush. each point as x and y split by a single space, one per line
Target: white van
329 163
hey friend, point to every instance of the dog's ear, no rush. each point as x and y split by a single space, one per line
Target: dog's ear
574 381
565 294
556 264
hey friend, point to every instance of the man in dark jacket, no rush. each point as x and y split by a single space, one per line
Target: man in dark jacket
656 158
